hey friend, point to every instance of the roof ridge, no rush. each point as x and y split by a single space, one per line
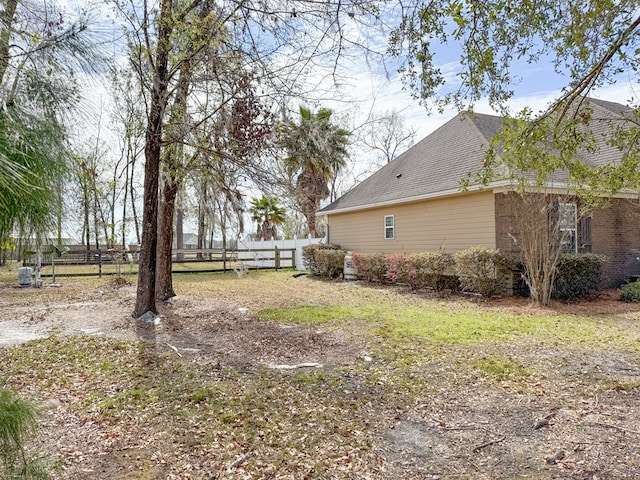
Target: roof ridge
612 107
484 138
471 113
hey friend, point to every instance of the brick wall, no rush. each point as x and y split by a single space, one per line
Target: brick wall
506 234
615 232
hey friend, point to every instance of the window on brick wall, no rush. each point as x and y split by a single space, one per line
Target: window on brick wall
389 227
568 217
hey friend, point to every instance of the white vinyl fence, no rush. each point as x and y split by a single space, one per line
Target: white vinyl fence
261 253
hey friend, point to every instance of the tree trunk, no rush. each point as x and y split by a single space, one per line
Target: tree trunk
201 217
180 232
105 229
146 291
86 229
123 225
94 211
112 206
173 165
164 280
311 206
134 210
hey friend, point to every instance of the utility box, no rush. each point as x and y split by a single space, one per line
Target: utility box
350 271
25 275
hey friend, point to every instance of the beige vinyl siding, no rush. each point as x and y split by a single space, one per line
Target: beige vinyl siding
455 223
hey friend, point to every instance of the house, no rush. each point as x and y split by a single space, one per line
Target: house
415 202
189 240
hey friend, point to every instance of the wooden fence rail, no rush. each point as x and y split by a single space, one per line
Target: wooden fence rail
98 263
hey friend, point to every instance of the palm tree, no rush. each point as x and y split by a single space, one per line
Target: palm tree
269 214
316 152
37 92
30 175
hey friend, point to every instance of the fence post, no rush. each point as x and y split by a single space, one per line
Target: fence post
224 260
99 264
277 257
293 258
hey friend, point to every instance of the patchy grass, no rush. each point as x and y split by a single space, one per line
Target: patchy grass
501 367
306 423
441 379
466 324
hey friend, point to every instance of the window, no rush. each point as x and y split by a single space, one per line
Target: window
568 216
389 227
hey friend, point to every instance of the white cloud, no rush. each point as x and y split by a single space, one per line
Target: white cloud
362 84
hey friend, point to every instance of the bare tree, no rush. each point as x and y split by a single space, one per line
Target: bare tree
543 225
127 119
387 136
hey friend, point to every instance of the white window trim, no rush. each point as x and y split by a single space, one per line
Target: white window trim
574 227
392 227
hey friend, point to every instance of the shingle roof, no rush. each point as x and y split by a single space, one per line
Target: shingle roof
435 165
606 115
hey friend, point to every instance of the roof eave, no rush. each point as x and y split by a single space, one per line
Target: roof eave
418 198
501 186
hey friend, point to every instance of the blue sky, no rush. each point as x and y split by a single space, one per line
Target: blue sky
539 85
376 87
370 85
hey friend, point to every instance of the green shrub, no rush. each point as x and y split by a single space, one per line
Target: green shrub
329 262
630 292
397 269
371 266
309 255
578 275
17 423
432 270
482 270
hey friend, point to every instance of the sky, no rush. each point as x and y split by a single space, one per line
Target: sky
382 94
380 88
367 85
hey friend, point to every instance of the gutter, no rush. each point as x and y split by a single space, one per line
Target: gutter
502 186
441 194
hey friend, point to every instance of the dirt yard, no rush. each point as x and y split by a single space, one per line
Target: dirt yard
529 407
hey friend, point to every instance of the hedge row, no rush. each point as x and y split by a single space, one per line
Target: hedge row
325 260
479 270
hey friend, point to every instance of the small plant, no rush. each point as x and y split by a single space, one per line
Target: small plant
329 263
397 268
241 269
17 423
630 292
481 270
578 275
371 266
200 395
432 270
502 368
309 253
119 256
118 282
